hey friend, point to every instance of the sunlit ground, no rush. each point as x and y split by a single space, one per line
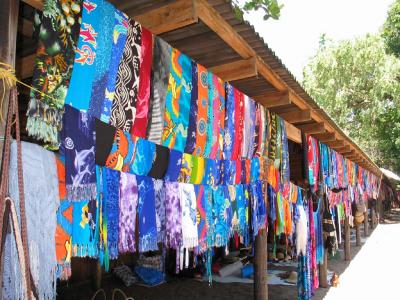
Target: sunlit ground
374 273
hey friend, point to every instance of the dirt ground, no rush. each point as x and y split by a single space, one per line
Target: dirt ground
184 289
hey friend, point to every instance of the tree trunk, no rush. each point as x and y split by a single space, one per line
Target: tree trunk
347 254
260 267
366 223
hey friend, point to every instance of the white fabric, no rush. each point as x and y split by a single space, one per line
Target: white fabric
301 231
189 213
41 203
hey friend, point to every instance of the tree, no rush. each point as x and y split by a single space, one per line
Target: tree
357 83
391 30
271 8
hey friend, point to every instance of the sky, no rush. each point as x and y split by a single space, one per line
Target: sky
295 36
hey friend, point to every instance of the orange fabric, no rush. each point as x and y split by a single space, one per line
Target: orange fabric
202 110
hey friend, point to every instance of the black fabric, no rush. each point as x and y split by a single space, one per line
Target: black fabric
104 140
160 162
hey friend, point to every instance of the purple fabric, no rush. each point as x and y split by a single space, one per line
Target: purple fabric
128 201
173 236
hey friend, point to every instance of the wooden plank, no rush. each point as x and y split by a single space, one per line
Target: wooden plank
170 17
325 137
24 66
274 99
335 144
296 116
260 267
312 128
236 70
293 133
343 150
25 27
266 72
38 4
347 253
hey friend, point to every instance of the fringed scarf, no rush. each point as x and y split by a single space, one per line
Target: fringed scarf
147 215
159 86
86 56
202 111
123 111
103 57
222 208
41 192
120 31
189 220
159 191
110 214
177 107
53 68
128 201
229 128
78 138
84 239
249 126
259 209
217 99
191 135
201 202
63 235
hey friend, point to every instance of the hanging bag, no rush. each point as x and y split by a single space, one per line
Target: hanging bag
7 208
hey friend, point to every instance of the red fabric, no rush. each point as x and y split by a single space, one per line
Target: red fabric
238 174
239 123
142 105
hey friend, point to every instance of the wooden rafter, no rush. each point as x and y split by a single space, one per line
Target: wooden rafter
24 66
293 133
274 99
170 17
236 70
38 4
344 149
325 137
335 144
313 128
296 116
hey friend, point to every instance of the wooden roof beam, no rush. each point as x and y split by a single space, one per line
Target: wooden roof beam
169 17
293 133
344 149
297 116
335 144
38 4
313 128
236 70
24 66
325 137
274 99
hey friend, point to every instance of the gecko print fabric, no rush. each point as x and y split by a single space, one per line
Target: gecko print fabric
121 24
176 115
85 57
147 214
58 37
122 152
79 144
123 110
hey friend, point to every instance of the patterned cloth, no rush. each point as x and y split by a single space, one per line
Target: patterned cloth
191 135
217 97
144 156
147 215
78 139
103 57
239 124
313 162
176 115
174 166
79 94
259 209
159 86
202 110
63 234
159 191
160 162
53 68
120 31
128 193
110 213
123 110
143 99
173 225
229 133
122 152
221 206
189 220
201 217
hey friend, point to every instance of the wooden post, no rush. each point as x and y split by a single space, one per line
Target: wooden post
323 271
347 254
366 223
373 215
260 267
8 39
358 235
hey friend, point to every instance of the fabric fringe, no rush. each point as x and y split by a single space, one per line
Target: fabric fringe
39 129
190 243
221 241
113 250
64 271
81 192
85 250
173 242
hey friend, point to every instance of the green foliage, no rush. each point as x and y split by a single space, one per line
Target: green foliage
357 83
391 30
271 8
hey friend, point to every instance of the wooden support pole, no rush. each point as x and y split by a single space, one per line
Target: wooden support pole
323 271
358 235
373 216
347 254
260 267
8 39
366 223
